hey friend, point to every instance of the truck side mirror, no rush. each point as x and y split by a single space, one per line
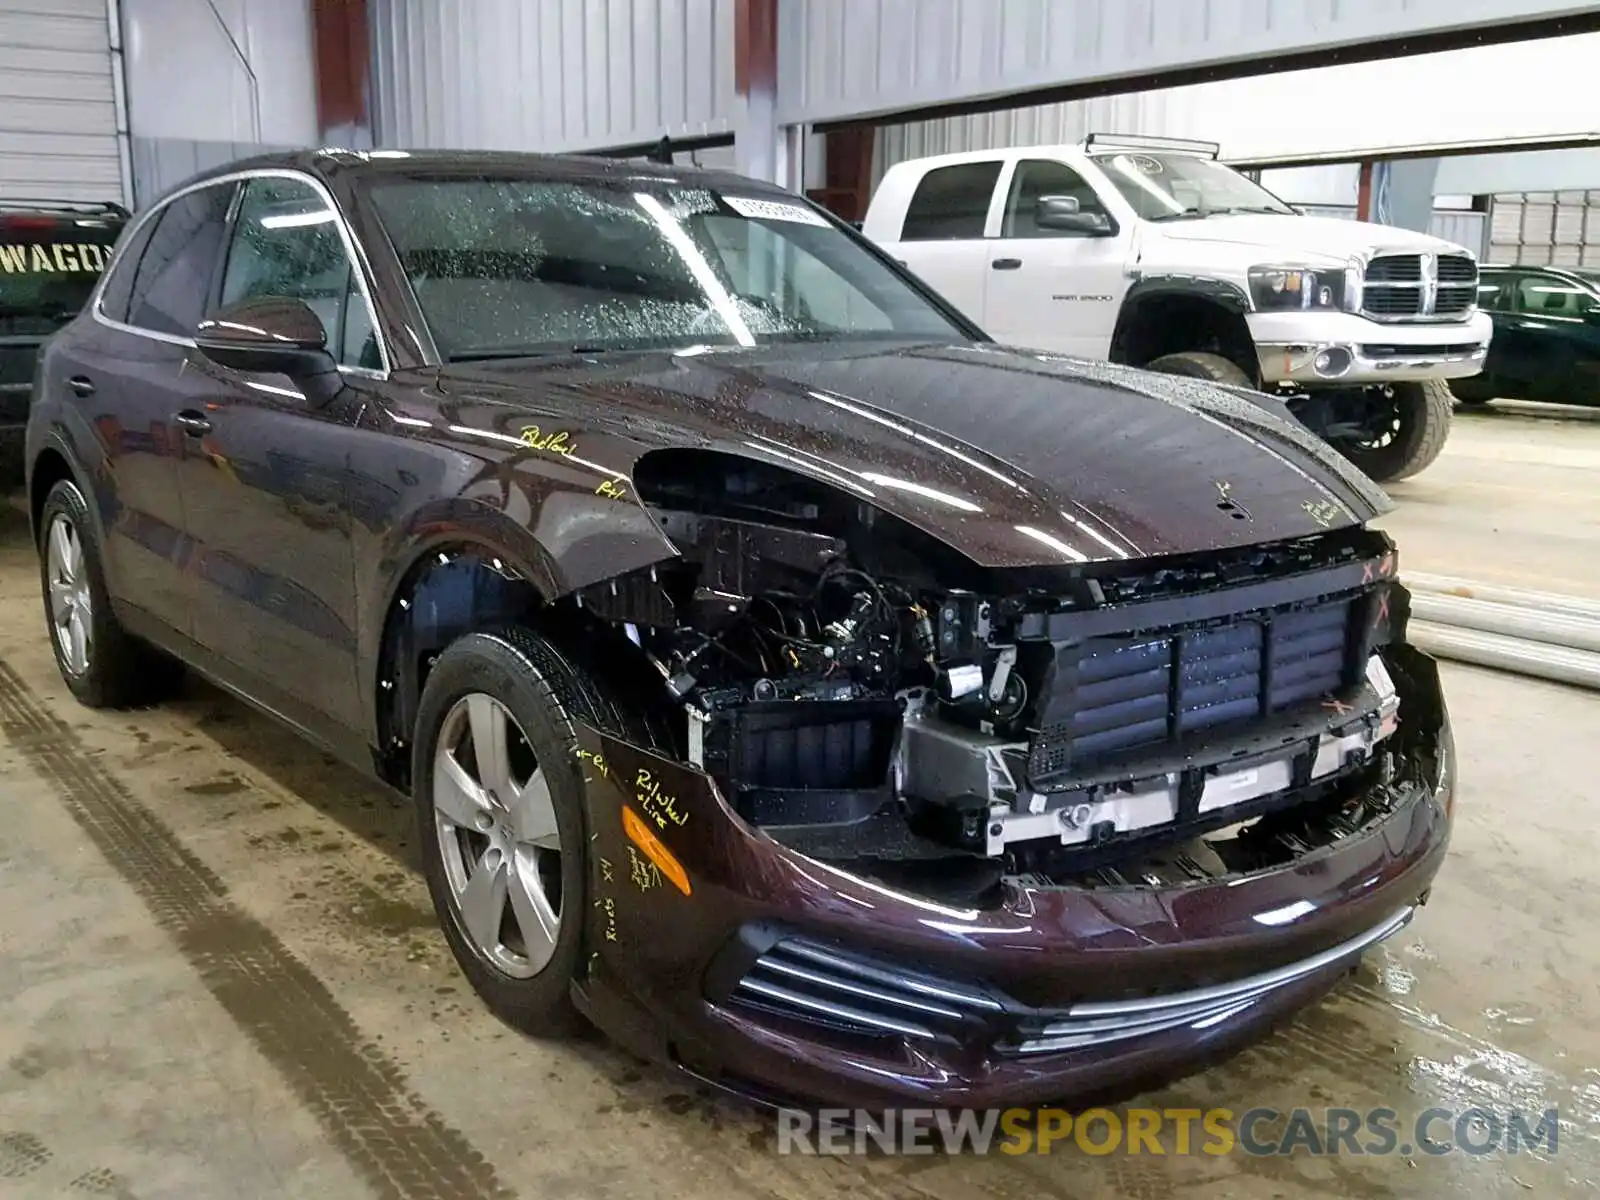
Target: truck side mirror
1066 214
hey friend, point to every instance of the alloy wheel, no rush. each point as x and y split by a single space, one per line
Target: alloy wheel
71 605
501 847
1384 422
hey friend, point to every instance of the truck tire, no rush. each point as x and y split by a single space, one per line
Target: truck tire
1197 364
1417 433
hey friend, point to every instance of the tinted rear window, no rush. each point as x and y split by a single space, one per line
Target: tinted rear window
48 265
951 202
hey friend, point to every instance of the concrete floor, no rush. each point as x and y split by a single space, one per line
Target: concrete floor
220 974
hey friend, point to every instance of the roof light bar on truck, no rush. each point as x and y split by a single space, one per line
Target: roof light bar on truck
1138 141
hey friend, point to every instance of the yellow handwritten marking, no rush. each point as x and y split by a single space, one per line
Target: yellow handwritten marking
612 490
605 871
660 806
559 442
645 874
1323 512
610 907
599 763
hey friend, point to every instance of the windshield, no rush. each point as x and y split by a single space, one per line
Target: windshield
48 267
1163 187
506 267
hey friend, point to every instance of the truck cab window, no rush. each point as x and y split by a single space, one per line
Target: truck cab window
1035 179
951 203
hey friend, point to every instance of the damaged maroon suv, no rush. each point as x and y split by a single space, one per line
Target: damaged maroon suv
807 691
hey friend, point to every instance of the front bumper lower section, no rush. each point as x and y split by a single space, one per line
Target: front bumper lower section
1341 349
786 977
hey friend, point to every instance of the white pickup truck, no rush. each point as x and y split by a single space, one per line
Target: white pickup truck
1148 251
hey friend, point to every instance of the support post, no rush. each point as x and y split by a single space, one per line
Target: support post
1403 193
342 58
762 149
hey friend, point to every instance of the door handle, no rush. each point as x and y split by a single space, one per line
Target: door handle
82 385
1006 264
192 423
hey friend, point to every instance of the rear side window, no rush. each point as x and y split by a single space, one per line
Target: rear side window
175 271
1549 296
114 297
951 202
50 264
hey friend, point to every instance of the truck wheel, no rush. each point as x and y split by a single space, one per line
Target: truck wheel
1197 364
1408 436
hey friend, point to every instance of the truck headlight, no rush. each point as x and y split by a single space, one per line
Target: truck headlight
1276 289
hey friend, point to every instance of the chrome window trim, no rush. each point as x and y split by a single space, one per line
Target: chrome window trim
358 261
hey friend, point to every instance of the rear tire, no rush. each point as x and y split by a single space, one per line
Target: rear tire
1418 425
1198 364
101 663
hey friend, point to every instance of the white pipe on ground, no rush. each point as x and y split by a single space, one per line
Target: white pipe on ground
1551 627
1466 589
1539 659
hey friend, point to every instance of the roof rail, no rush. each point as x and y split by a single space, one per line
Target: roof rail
86 207
1139 141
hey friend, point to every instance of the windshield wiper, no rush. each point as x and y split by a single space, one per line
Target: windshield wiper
563 352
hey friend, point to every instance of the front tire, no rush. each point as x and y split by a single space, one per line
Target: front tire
1198 364
102 665
500 805
1409 435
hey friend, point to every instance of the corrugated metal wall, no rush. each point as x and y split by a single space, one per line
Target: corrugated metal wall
1040 125
598 73
160 164
1546 228
58 119
847 58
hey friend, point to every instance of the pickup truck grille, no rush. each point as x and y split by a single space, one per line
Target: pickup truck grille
1402 287
1131 693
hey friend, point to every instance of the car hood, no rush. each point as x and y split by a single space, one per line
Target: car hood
1014 458
1332 237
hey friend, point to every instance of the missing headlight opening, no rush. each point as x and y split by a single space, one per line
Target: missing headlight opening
869 698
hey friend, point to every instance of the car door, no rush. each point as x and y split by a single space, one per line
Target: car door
942 238
1053 289
117 374
1586 354
265 472
1544 336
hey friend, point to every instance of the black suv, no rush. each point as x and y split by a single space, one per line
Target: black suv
51 254
1546 342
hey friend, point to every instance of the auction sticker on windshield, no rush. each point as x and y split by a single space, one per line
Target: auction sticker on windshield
773 210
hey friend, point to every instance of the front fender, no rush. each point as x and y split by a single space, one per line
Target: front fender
571 540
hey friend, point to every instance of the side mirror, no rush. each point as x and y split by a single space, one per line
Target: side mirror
274 335
1066 214
1592 314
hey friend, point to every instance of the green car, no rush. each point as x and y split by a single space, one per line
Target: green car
1546 342
51 255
